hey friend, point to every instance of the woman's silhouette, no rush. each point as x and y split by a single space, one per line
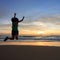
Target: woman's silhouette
15 22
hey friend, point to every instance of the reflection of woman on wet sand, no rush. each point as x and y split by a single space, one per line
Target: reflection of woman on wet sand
15 22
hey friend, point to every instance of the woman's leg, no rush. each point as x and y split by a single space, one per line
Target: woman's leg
16 37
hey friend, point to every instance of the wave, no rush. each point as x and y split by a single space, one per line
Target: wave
34 38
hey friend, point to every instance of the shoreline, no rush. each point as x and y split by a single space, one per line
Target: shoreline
31 43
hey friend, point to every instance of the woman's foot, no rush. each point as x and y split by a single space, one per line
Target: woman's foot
5 38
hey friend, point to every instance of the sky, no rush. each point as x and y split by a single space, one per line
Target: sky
42 17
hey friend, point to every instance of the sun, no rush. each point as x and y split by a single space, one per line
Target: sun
41 32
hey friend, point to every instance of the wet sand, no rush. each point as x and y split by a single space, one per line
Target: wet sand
25 52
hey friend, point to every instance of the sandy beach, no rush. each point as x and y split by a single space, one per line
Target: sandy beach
29 52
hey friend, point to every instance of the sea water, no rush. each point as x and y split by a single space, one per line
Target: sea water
32 40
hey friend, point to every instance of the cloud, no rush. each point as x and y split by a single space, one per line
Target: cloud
5 27
42 20
42 24
49 19
57 23
34 26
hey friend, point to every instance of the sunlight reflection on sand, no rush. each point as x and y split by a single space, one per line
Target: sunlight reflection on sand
31 43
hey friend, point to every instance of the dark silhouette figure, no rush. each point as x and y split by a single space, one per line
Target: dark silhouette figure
14 33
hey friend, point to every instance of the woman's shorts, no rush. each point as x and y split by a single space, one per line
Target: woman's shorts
14 32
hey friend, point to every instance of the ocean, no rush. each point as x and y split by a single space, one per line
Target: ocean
32 40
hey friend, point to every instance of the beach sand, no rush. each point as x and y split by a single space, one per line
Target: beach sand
28 52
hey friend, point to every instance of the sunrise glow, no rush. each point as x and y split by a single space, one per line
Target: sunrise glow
42 17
